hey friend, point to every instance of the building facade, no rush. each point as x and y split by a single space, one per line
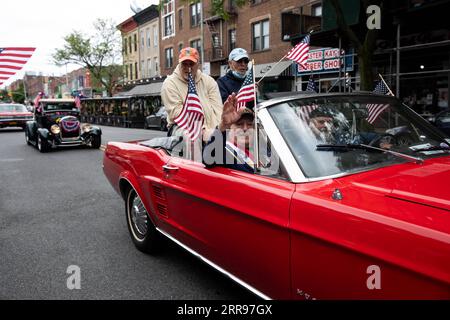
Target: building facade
130 49
148 30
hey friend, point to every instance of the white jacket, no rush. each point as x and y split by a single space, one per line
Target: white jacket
174 91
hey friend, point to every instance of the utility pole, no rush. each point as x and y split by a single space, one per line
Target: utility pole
25 87
202 54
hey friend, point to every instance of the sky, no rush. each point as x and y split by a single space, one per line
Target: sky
43 24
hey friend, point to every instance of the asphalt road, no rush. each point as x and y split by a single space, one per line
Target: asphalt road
58 210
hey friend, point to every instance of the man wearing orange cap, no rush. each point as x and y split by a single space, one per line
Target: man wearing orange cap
175 88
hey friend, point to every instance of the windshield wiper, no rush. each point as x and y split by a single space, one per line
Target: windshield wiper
443 146
367 147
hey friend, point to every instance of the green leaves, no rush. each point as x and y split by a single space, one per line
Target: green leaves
100 52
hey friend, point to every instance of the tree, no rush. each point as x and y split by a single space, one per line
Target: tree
99 53
364 48
19 94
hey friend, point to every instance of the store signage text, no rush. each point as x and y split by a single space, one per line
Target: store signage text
326 60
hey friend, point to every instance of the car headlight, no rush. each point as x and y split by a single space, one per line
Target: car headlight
55 129
86 127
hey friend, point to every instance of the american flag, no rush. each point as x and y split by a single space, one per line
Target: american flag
247 91
300 52
39 96
78 101
381 88
311 85
376 109
304 112
191 117
12 60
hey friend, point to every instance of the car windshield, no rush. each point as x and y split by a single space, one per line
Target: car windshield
60 106
13 108
345 134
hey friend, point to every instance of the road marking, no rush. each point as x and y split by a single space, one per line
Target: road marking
11 160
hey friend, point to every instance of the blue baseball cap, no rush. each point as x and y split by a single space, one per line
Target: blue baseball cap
237 54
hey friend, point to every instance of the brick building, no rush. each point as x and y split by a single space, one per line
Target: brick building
259 27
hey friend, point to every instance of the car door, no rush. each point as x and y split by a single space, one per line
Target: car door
236 220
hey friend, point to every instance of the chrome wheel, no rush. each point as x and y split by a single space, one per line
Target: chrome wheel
142 231
39 142
138 218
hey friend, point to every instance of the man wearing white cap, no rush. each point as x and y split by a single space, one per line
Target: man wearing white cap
231 82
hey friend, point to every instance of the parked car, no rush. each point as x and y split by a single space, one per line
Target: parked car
157 119
57 124
362 216
14 115
442 121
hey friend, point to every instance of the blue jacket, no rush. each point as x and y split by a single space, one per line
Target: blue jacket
229 84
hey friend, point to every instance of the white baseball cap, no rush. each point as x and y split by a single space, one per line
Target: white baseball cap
237 54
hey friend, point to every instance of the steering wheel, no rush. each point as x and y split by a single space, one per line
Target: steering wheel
384 141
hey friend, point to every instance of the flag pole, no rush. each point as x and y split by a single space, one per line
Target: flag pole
256 141
272 68
278 63
386 85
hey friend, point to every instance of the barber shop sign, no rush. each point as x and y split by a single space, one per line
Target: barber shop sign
327 60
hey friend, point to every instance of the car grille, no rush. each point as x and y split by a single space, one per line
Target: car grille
73 134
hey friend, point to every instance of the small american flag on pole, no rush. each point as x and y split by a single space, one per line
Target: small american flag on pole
311 85
376 109
247 91
300 52
39 96
12 60
191 117
304 112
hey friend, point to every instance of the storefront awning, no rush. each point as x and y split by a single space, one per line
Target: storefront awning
273 69
151 89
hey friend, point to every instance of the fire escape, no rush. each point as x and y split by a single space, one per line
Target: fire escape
215 25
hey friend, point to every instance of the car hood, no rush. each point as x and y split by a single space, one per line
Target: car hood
18 114
425 184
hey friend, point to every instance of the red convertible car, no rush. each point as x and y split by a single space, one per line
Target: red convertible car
356 209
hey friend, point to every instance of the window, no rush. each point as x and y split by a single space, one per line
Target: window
155 36
142 69
168 26
316 10
131 71
148 38
142 39
232 39
180 19
155 62
136 72
180 46
195 10
126 72
197 45
168 16
125 44
169 58
260 35
129 45
135 42
149 68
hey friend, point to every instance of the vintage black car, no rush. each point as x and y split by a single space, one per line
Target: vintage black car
57 124
157 119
